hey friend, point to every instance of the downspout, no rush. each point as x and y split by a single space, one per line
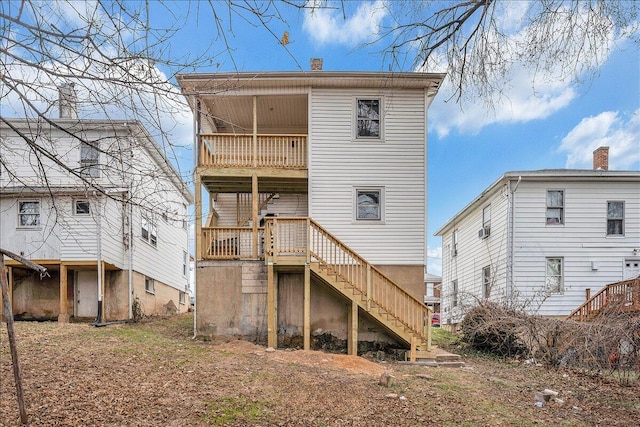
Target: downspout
510 239
99 259
130 243
196 160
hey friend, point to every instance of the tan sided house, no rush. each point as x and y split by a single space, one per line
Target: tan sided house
310 205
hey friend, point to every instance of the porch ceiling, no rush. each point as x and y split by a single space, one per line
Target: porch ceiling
284 114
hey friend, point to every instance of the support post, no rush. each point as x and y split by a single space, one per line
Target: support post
198 216
63 317
588 294
255 131
352 338
272 308
369 287
103 316
307 308
254 214
414 349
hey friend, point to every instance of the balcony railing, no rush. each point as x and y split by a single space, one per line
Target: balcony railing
230 243
242 151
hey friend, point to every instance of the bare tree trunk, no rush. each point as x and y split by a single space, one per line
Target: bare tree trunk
8 316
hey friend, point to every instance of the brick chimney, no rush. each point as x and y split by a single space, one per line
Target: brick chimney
316 64
67 102
601 158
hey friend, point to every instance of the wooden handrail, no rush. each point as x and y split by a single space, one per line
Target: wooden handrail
297 236
620 297
286 151
229 242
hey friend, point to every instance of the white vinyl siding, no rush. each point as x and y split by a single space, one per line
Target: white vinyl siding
590 259
338 164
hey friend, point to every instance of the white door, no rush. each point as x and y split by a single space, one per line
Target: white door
86 294
631 268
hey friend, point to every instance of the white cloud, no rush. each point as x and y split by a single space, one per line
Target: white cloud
619 132
434 260
329 26
526 92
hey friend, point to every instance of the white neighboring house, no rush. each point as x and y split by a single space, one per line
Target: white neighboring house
540 239
106 214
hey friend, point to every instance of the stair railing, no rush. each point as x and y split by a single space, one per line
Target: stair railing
304 236
620 296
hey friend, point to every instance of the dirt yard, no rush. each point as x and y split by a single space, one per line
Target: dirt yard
153 374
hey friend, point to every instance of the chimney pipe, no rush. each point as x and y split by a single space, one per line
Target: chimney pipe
601 158
316 64
67 101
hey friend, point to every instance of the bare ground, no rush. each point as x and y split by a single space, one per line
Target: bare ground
153 374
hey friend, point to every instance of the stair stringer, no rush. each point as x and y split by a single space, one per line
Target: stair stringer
389 321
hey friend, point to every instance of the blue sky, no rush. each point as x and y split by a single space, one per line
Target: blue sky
556 126
541 122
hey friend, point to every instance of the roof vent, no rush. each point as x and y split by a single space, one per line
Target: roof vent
316 64
601 159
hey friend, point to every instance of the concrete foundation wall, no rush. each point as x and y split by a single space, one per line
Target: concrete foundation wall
409 277
163 301
34 298
231 298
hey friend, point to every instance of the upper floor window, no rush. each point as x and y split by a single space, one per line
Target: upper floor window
81 207
554 276
29 213
486 281
486 217
89 159
555 207
615 218
368 118
369 204
148 231
454 243
185 263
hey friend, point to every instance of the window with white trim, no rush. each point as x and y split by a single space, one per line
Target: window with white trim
454 243
486 281
185 263
149 285
555 206
369 203
368 123
554 276
486 217
89 160
81 207
615 218
28 213
454 293
182 298
148 231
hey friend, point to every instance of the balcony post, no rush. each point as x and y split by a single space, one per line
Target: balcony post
254 213
255 131
198 209
307 308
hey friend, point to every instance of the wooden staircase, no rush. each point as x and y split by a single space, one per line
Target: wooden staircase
615 298
302 241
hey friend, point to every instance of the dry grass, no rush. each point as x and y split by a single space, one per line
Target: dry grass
154 374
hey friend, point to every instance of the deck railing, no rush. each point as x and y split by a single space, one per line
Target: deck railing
230 242
303 236
615 298
286 151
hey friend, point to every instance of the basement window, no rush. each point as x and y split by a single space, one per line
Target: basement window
149 285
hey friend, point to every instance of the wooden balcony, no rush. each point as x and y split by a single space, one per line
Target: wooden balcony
282 151
220 243
615 298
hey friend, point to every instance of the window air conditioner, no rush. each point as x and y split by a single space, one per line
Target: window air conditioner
484 232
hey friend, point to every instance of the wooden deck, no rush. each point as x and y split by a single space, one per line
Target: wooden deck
619 297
